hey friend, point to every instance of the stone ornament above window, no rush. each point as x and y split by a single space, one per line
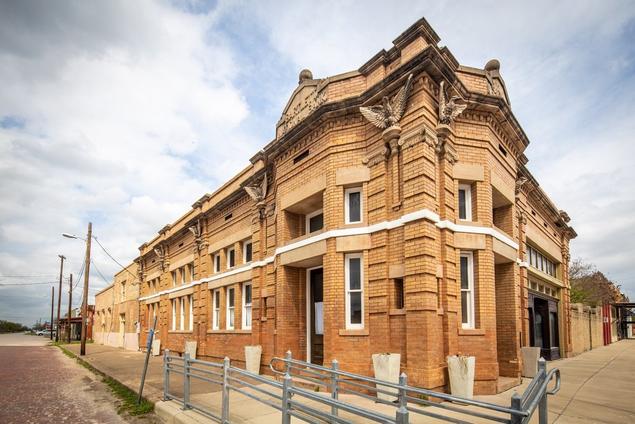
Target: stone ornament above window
258 192
449 109
390 111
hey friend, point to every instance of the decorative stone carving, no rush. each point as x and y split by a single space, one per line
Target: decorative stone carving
520 182
303 107
522 217
491 69
197 231
258 192
564 215
390 111
444 147
449 109
161 253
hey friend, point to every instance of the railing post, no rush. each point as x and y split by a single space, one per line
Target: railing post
542 404
286 385
186 380
334 385
402 411
225 406
166 374
516 405
287 363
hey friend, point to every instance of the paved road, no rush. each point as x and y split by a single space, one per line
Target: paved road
39 384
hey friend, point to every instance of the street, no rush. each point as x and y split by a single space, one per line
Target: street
42 385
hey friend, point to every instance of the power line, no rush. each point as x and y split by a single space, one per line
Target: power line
28 284
99 272
110 256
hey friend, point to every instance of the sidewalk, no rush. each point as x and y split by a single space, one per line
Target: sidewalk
597 386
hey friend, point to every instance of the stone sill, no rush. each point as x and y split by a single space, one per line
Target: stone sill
228 331
360 332
471 332
397 312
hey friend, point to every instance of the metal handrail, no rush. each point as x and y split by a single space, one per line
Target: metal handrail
289 401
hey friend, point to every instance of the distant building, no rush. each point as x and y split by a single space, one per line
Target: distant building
117 311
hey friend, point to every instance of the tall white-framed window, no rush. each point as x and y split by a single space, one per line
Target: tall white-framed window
353 205
173 278
467 289
246 315
182 313
173 326
190 302
182 274
154 311
216 310
247 251
217 263
190 271
465 202
314 221
231 257
354 279
229 323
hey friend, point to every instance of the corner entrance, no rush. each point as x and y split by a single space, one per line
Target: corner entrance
315 315
543 326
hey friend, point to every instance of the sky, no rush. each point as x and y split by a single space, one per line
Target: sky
125 113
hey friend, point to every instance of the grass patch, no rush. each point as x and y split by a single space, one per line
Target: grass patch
127 396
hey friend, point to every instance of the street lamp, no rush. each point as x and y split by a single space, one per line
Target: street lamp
88 238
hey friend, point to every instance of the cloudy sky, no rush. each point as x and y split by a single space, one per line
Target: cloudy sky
121 113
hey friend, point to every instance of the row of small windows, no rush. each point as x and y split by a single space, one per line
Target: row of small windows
230 307
230 256
540 261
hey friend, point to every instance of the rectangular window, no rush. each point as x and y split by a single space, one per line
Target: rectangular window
230 309
190 269
231 257
190 302
246 306
465 202
314 221
173 278
353 205
354 291
467 289
182 274
541 262
399 298
173 326
216 310
123 291
247 252
182 314
217 263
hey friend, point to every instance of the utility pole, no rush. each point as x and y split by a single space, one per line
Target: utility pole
70 304
52 303
82 350
59 298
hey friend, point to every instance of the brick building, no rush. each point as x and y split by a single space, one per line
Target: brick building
116 320
393 212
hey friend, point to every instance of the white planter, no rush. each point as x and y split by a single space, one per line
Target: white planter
386 367
190 347
530 361
461 371
252 358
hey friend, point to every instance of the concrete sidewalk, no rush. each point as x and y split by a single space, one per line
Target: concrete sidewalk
597 387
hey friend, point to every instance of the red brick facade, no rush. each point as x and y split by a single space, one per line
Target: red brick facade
410 238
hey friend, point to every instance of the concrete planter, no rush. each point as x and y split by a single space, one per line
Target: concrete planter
386 367
461 371
530 361
252 358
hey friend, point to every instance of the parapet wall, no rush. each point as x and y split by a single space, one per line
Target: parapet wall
586 328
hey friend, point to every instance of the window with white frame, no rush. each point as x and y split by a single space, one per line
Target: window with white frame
354 278
540 261
467 289
182 274
191 320
229 324
173 325
190 269
217 263
247 251
173 278
182 314
246 315
465 202
353 205
216 310
231 257
314 221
